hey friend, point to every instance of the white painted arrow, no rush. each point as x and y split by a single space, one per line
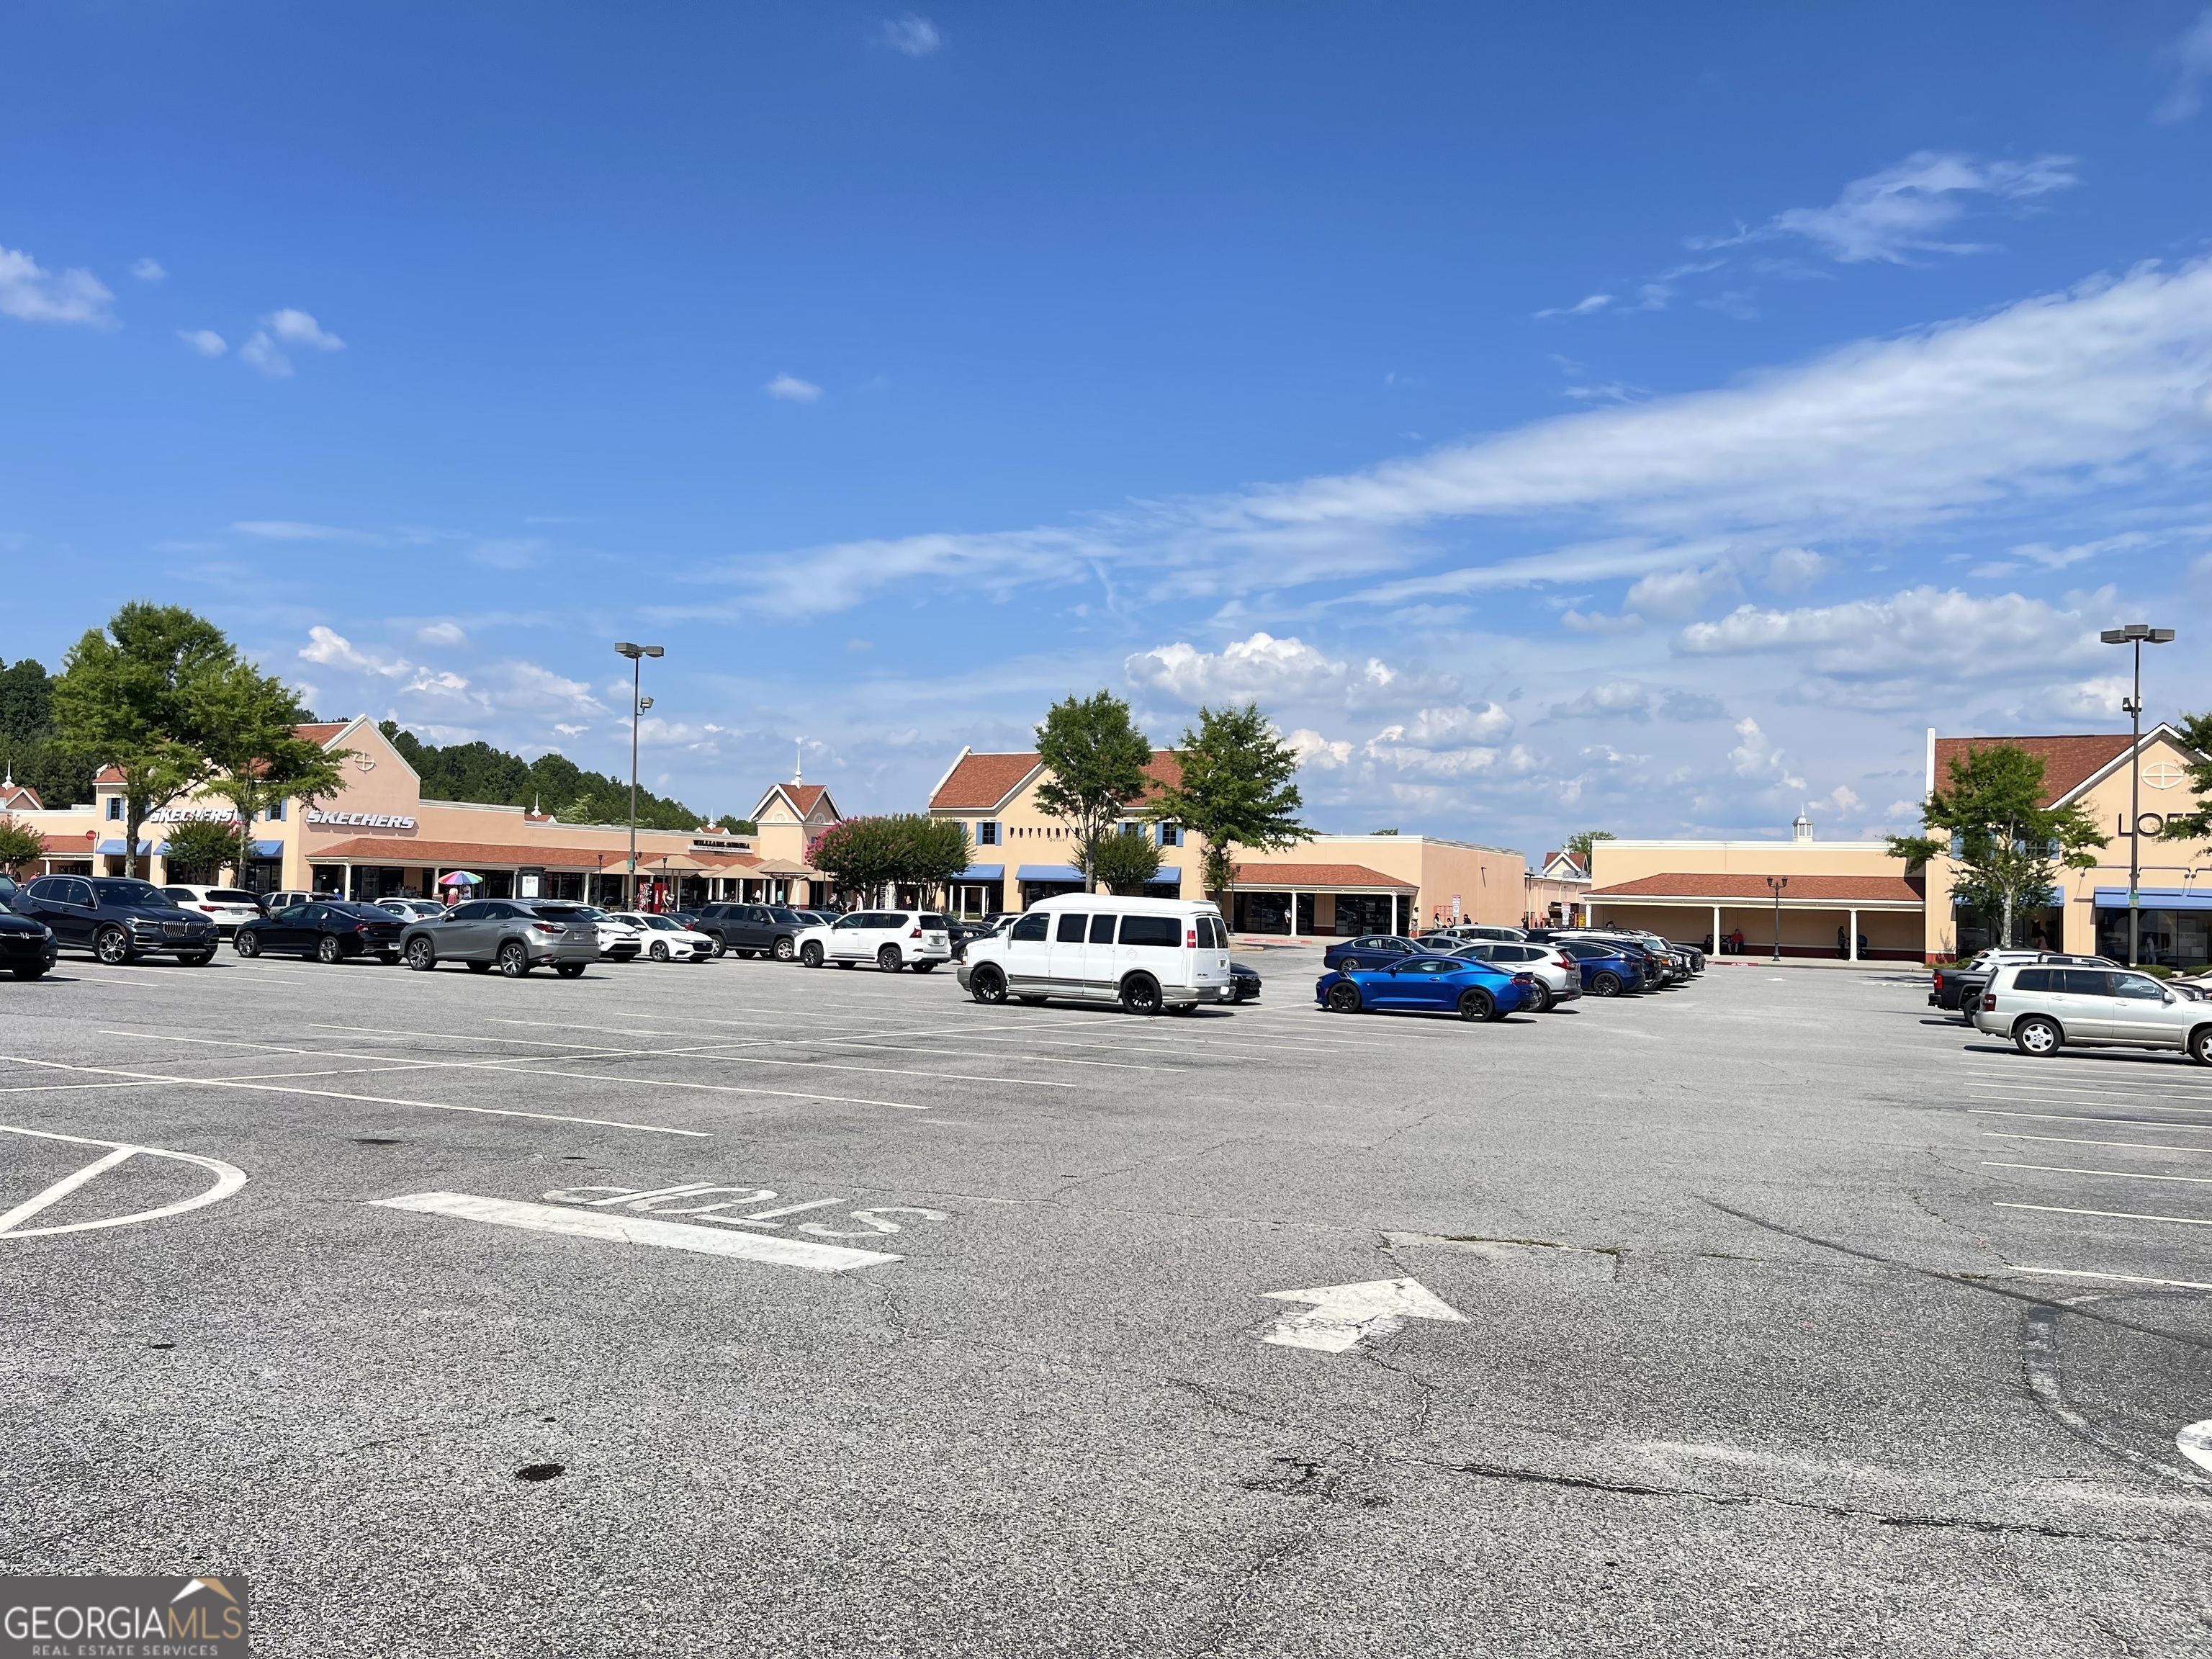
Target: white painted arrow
1342 1315
2194 1444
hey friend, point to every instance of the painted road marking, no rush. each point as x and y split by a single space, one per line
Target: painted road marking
869 1040
1342 1316
656 1201
2078 1117
2116 1175
229 1178
627 1230
2109 1215
2194 1444
366 1100
2125 1278
2077 1140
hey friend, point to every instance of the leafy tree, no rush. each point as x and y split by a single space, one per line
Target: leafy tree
553 783
1584 842
29 752
2197 824
1121 863
263 758
1235 790
21 846
862 855
1096 758
199 846
137 697
2009 845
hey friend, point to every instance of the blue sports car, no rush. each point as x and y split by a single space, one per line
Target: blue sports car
1427 984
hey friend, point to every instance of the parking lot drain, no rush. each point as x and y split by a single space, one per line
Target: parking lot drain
540 1470
160 1345
370 1140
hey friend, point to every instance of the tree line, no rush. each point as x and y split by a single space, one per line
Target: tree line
552 784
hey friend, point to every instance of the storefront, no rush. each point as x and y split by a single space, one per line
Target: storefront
1329 901
2173 925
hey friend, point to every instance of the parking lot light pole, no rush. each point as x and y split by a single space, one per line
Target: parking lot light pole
637 654
2136 635
1774 886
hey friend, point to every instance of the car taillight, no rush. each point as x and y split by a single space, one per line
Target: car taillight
1990 1003
1563 961
915 934
210 909
1190 938
1524 979
548 927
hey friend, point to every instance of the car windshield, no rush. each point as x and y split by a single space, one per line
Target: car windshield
787 917
135 892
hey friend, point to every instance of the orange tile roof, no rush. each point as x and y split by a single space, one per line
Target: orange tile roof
1321 876
982 781
20 795
321 730
804 795
464 854
2067 762
1864 889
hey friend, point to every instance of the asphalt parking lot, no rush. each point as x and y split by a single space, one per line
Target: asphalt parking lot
738 1308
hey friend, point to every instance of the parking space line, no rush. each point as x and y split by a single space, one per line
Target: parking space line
2116 1175
2125 1278
869 1040
2058 1097
625 1229
2077 1140
2109 1215
366 1100
2080 1117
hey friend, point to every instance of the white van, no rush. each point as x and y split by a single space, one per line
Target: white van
1145 954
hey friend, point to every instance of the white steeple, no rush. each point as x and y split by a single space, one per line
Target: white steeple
1801 827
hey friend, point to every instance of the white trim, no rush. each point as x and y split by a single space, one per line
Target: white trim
2163 729
965 751
1930 788
1779 841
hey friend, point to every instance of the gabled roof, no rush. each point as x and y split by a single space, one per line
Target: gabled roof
1565 865
802 798
321 732
2070 765
982 783
21 797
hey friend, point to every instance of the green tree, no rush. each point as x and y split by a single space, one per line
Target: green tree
1122 863
2009 845
862 855
2195 824
262 757
137 697
29 752
552 783
21 846
1096 759
1584 843
199 846
1235 790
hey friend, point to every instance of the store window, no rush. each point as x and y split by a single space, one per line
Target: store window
276 813
115 808
1170 834
986 833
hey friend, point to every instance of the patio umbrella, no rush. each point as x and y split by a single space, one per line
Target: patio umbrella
460 878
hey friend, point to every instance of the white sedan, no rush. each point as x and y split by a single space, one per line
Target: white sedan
229 906
667 940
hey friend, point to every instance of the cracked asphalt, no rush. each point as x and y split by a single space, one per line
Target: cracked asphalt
1796 1320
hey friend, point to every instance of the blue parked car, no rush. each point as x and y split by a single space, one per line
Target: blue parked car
1427 984
1609 969
1372 951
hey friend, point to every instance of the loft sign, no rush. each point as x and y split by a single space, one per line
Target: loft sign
361 820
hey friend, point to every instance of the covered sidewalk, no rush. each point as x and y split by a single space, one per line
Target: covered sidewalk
1817 916
1330 901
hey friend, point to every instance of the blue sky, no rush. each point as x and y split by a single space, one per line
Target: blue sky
1605 417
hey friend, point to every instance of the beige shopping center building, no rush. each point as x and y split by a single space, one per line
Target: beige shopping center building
1822 898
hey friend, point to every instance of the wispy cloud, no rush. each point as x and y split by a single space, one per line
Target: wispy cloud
1582 307
205 341
32 294
1278 670
2190 57
909 35
792 390
147 270
291 529
292 327
1904 210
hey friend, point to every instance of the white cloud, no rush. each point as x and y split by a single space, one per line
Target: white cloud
1844 798
298 328
1582 307
2192 58
1318 753
527 687
1677 595
1791 569
1627 700
264 354
792 390
333 650
1263 667
34 294
1596 622
440 632
1900 211
1756 757
147 270
290 530
1922 631
438 682
205 341
912 36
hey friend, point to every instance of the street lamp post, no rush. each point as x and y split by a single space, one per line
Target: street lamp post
1774 886
637 654
2136 635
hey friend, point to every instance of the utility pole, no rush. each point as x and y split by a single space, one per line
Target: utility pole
1774 886
2136 635
638 705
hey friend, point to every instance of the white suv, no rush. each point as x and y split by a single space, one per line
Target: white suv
2045 1009
1145 954
228 905
892 939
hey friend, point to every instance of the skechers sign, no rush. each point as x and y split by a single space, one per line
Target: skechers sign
363 820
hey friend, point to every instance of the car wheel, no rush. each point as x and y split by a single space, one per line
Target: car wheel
2037 1036
570 970
421 955
112 946
1607 984
988 985
1140 994
925 967
1343 998
811 954
246 944
2200 1044
782 950
659 950
1477 1006
196 958
329 950
514 959
1541 1002
887 959
719 947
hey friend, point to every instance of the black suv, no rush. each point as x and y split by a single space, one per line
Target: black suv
116 917
752 930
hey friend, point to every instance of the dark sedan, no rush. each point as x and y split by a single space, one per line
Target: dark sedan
27 948
1375 950
330 930
1243 984
117 918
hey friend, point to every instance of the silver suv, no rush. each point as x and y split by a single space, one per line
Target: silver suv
2044 1009
509 934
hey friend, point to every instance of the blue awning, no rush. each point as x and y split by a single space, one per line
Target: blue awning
2156 898
1050 872
114 848
268 849
982 873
